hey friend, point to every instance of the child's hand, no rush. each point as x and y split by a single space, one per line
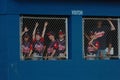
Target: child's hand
36 24
108 54
26 29
45 24
109 19
90 43
50 57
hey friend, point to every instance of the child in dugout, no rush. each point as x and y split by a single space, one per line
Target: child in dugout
38 42
101 32
61 45
26 45
52 47
92 48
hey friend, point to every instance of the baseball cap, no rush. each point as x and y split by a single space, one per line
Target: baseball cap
38 33
60 32
26 35
50 33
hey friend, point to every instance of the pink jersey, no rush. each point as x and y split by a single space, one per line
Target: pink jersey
91 49
38 45
26 47
53 46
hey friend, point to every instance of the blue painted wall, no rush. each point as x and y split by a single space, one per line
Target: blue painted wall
12 68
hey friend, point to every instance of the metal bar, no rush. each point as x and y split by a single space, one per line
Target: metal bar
42 17
100 18
119 37
66 23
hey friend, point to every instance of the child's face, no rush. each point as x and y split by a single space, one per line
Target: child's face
51 37
99 24
61 36
91 36
26 39
37 37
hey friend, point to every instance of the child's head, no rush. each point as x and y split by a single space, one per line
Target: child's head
99 24
91 35
61 34
51 35
37 36
26 37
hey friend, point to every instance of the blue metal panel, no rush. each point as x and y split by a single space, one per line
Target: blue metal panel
3 48
76 67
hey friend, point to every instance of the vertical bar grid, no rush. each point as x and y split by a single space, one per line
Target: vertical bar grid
56 27
89 24
119 38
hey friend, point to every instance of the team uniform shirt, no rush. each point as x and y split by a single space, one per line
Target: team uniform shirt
101 34
91 49
38 46
61 46
52 46
26 48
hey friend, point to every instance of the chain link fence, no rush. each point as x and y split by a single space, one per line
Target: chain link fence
51 30
100 38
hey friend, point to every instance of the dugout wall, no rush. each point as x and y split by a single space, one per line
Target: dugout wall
12 68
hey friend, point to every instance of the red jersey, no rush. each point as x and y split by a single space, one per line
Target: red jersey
26 47
91 49
38 46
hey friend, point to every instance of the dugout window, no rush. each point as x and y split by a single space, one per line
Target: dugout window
43 37
101 38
